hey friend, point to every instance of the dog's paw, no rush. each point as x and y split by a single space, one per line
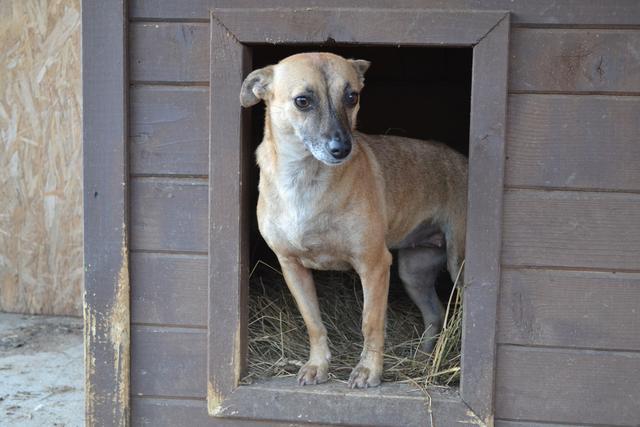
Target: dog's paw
363 377
313 373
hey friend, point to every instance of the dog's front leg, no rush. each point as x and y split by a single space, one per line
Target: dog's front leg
300 282
374 275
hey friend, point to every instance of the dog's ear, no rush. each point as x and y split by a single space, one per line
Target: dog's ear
256 86
361 66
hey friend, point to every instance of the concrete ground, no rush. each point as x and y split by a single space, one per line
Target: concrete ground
41 371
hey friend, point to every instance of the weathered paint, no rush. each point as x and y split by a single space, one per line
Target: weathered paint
214 400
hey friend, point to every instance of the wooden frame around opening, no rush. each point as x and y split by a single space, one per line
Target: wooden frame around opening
234 32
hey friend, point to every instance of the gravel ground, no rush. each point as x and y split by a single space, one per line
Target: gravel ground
41 371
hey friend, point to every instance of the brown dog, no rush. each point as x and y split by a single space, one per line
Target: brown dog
332 198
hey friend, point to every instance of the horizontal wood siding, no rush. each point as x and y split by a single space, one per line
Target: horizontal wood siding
575 60
551 12
169 289
169 214
570 141
169 131
571 229
169 52
168 362
573 386
570 309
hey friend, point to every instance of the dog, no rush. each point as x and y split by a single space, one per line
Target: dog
331 198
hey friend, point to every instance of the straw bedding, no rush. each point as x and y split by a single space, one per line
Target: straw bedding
278 342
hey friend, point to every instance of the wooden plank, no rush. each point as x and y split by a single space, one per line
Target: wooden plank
169 289
484 218
169 52
106 279
176 412
566 141
402 27
570 309
169 214
549 12
228 216
167 361
572 386
528 423
571 60
169 130
333 403
571 229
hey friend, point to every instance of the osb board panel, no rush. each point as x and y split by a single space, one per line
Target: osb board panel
574 141
583 12
571 229
169 289
169 214
575 60
568 386
169 130
169 52
569 309
41 161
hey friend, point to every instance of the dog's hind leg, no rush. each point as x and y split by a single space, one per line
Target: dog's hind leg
418 268
300 282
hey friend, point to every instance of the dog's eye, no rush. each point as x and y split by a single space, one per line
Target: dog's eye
302 102
351 98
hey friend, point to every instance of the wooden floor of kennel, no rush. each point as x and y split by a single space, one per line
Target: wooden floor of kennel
558 299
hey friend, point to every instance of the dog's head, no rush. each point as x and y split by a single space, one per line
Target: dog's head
313 96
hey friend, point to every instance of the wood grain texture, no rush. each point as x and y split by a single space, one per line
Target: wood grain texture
484 218
169 130
550 12
568 386
571 229
567 141
169 214
169 289
106 279
169 52
176 412
358 25
572 60
168 361
512 423
570 309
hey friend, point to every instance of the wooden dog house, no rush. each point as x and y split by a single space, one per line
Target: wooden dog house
552 299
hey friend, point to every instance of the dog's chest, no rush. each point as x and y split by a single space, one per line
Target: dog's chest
297 227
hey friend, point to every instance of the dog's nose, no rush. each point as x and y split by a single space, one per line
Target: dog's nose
339 149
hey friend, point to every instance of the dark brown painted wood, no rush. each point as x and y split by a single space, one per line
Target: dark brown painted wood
180 412
169 289
571 229
106 278
570 309
573 386
232 28
169 130
335 404
228 216
167 361
401 27
575 60
484 218
169 214
567 141
548 12
169 52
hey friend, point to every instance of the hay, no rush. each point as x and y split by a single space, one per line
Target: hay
278 342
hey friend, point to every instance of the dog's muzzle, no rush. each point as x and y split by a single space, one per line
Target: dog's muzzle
339 149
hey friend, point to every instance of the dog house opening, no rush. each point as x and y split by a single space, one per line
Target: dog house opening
414 92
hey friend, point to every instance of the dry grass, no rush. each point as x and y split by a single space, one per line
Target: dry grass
278 343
